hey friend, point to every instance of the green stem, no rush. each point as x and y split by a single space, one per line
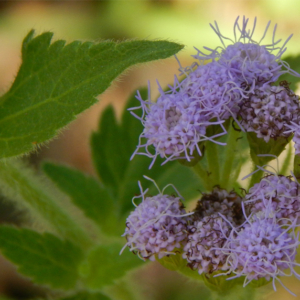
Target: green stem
225 180
286 163
20 185
203 174
210 175
213 163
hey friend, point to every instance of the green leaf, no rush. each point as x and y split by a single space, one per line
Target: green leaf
112 147
179 264
218 284
104 265
294 62
87 193
86 296
297 167
42 257
126 288
259 146
29 193
286 164
221 165
56 82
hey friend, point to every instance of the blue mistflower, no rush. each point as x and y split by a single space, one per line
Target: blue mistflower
174 125
157 227
249 63
261 248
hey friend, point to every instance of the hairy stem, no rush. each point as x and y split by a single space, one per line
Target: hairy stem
213 164
203 174
20 184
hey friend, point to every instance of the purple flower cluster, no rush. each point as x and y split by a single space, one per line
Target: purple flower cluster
250 63
265 244
238 82
251 237
276 192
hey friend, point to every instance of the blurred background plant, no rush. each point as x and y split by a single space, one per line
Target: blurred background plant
183 21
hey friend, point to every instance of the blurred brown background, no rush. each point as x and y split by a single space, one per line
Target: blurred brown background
183 21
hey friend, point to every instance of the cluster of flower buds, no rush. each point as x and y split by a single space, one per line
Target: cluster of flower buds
233 81
251 237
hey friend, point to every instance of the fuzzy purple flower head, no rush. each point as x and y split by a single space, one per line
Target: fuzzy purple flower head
270 111
262 248
250 63
157 227
276 192
174 125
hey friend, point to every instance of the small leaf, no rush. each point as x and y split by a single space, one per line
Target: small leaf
297 167
56 82
86 296
104 265
126 288
220 284
259 282
259 146
42 257
87 193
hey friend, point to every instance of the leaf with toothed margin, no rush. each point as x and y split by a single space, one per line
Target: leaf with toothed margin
43 257
56 82
104 265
